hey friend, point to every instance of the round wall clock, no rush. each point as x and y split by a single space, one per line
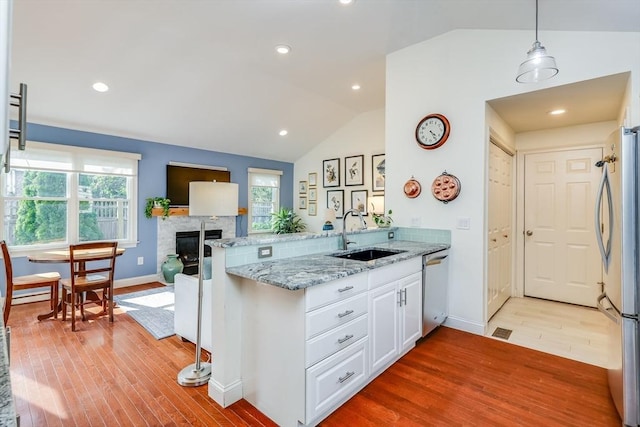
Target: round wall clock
432 131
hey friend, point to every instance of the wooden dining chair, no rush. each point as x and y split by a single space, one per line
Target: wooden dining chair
92 267
31 281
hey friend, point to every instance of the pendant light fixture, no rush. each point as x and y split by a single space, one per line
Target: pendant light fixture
538 66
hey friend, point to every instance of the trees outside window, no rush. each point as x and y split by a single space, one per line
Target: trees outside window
49 199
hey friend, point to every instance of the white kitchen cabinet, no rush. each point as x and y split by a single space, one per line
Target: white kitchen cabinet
410 311
395 312
306 352
5 57
384 318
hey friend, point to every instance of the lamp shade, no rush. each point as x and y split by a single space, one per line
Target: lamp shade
211 198
538 66
377 204
329 215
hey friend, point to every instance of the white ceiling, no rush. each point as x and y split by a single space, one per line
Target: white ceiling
204 73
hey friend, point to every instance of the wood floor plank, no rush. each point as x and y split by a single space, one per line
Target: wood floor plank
450 379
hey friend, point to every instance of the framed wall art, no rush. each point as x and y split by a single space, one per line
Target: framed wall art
313 210
302 187
331 173
359 201
313 194
313 179
377 172
335 201
353 170
302 204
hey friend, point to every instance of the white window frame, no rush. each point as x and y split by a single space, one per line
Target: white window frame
77 156
256 171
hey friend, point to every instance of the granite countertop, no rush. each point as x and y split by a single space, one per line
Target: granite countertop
304 271
7 406
267 238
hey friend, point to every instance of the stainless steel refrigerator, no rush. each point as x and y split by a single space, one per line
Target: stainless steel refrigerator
616 222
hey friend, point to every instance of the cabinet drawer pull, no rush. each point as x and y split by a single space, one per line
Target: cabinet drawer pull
346 377
345 289
346 313
345 339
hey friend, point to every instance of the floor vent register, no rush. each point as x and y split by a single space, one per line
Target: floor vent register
502 333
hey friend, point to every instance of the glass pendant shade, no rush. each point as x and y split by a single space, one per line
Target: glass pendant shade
538 66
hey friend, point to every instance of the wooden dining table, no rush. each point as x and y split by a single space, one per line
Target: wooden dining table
61 256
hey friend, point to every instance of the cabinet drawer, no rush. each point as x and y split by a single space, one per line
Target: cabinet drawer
335 379
383 275
330 316
335 340
319 295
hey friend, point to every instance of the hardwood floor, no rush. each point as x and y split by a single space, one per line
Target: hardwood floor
451 378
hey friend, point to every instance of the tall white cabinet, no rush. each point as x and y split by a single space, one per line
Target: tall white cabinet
5 56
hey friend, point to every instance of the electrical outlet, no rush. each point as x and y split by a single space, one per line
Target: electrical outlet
140 260
390 235
265 252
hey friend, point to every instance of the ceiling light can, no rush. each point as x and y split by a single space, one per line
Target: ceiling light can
100 87
283 49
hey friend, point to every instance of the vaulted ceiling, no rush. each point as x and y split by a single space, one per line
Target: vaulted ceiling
205 73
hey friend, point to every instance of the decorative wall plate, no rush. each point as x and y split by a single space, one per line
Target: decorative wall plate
445 187
412 188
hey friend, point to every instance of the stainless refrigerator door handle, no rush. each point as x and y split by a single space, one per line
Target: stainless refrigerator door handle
605 253
607 311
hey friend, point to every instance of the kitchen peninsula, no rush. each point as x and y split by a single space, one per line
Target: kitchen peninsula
298 332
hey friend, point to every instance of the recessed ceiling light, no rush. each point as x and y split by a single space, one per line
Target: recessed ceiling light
355 87
557 112
283 49
100 87
283 132
346 1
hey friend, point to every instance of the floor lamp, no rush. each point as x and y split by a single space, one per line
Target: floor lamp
210 199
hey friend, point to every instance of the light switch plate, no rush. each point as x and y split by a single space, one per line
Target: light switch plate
265 252
464 223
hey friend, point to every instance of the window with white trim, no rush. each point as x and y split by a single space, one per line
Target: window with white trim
264 198
56 194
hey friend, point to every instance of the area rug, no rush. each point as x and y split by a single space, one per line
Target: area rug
153 309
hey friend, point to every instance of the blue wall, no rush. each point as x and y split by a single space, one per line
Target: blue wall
152 182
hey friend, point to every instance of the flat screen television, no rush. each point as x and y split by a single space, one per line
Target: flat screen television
179 177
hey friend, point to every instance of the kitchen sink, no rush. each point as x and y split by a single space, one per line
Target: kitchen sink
367 254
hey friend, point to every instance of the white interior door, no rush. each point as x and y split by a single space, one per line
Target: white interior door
562 262
500 229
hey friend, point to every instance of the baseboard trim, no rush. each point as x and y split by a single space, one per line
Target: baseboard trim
225 396
465 325
29 297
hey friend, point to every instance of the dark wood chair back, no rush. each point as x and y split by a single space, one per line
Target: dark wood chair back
92 267
31 281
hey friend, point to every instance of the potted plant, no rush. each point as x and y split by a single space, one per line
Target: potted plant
382 220
157 202
286 221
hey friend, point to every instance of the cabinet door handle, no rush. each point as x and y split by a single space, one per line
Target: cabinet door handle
345 339
400 298
404 299
345 289
346 377
346 313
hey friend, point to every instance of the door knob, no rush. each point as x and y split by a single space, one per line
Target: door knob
529 233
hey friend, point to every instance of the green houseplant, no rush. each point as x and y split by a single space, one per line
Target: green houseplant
286 221
157 202
382 220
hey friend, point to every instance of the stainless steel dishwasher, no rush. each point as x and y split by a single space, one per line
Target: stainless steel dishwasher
435 280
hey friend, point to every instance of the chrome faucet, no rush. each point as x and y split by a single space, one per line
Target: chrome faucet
363 226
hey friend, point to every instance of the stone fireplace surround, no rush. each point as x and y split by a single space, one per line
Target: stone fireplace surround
167 233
